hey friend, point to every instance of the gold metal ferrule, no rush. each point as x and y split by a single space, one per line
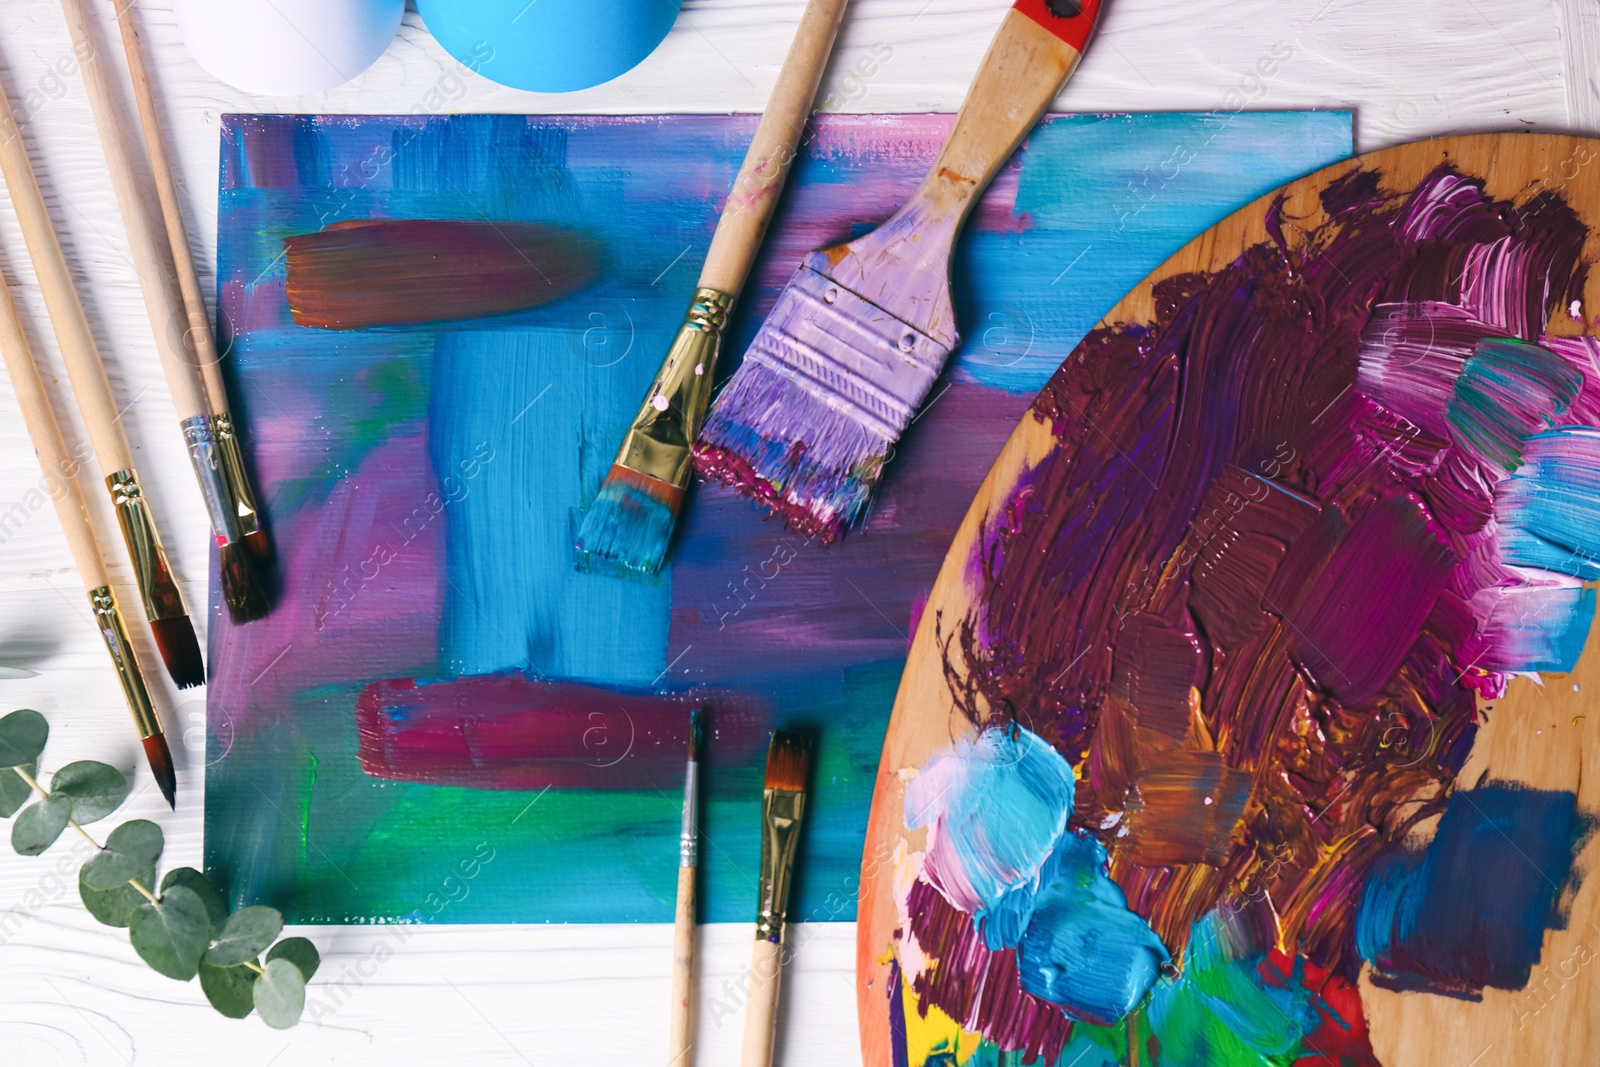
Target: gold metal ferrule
781 810
157 588
207 461
662 436
114 631
247 513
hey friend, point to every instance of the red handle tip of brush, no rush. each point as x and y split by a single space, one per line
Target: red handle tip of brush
1073 21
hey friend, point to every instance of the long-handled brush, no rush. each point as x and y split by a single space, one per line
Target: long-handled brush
857 339
783 804
163 601
61 474
628 528
170 322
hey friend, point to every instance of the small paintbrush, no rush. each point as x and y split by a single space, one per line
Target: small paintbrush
241 589
783 803
629 526
61 472
158 588
683 924
858 337
242 523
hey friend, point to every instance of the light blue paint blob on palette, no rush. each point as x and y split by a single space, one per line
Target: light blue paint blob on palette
1547 514
421 481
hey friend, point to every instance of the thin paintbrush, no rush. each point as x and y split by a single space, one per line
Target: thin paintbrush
164 304
628 528
61 474
783 803
683 925
163 601
246 520
857 339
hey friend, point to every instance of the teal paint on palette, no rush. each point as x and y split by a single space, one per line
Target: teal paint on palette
420 482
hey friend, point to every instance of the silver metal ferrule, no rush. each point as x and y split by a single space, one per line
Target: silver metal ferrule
207 461
689 835
781 810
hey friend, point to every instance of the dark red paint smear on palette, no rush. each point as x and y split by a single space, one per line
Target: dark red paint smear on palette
1240 575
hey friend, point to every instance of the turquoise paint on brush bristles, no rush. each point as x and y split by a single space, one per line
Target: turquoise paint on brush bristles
625 533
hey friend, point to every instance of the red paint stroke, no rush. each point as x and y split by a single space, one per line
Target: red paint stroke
364 273
1075 29
509 731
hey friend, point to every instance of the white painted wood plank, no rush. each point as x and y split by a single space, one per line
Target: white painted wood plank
72 992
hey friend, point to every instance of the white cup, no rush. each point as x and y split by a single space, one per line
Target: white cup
287 47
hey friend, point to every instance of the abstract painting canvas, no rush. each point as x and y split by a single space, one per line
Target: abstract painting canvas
442 720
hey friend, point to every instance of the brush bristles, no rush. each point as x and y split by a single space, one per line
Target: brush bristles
628 529
159 757
259 546
694 736
241 589
788 762
180 651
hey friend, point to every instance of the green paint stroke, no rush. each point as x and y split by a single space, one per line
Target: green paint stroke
1509 390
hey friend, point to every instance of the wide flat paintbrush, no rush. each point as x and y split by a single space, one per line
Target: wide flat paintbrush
682 1031
630 525
857 339
783 804
242 522
163 601
61 474
241 589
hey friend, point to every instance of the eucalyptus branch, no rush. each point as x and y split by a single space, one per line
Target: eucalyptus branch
179 925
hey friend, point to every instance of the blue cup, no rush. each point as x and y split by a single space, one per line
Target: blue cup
549 46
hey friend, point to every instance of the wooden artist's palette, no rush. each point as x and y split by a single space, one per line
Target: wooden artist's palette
1537 733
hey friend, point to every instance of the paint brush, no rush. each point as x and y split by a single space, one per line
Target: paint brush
857 339
237 518
164 306
61 474
158 589
783 803
683 924
630 525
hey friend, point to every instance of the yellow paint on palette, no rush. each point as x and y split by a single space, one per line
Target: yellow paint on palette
934 1033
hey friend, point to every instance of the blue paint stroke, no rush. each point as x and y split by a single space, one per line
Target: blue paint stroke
1471 909
1083 949
1549 510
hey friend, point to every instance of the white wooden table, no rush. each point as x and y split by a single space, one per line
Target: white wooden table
72 991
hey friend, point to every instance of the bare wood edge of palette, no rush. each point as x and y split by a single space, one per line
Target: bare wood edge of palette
1547 1021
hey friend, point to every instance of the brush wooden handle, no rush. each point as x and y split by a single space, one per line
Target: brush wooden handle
761 1010
201 341
58 465
683 972
88 375
1030 59
163 303
766 164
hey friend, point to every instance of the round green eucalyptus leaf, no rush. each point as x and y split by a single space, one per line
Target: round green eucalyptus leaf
298 951
245 935
229 989
14 792
22 737
140 837
171 936
108 869
114 907
210 895
37 828
95 789
280 994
